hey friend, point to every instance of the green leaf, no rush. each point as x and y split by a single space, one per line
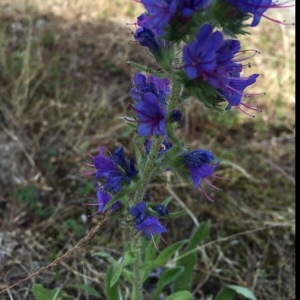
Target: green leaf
188 261
138 155
87 289
129 258
105 255
146 69
229 291
166 278
164 255
176 214
41 293
111 292
128 275
116 275
161 259
149 248
183 295
225 294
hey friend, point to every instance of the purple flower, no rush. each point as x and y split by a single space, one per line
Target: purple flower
176 115
138 212
199 57
146 38
150 226
157 86
161 209
219 62
188 7
102 200
114 170
152 116
159 13
119 159
200 165
257 8
145 223
235 88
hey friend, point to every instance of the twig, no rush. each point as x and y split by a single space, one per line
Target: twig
69 254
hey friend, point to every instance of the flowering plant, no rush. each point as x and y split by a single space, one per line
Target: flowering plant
198 56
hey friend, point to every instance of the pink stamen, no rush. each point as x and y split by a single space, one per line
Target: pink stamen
206 195
210 184
253 107
277 21
241 110
219 177
153 240
86 173
166 243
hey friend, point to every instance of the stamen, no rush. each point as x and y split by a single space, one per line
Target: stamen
206 195
210 184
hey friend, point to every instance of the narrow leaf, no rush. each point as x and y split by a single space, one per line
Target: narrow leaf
184 281
41 293
111 292
183 295
166 278
87 289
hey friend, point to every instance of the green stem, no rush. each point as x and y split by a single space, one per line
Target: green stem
148 168
145 176
138 282
174 99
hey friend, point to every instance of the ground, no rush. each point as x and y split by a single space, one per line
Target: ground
64 85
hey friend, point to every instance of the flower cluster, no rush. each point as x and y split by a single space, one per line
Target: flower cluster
150 104
111 172
197 55
145 222
217 61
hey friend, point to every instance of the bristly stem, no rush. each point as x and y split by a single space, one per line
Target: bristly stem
145 176
138 282
174 99
148 168
139 195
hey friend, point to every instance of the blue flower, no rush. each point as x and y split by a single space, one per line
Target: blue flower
119 159
199 56
257 8
157 86
152 116
235 88
188 7
138 212
176 115
200 165
103 199
169 12
159 13
161 209
219 62
150 226
114 170
146 38
145 223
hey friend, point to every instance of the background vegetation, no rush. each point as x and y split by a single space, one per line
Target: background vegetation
63 86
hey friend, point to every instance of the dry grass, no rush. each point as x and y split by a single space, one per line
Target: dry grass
64 82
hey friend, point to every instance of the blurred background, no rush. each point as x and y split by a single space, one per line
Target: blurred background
64 84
